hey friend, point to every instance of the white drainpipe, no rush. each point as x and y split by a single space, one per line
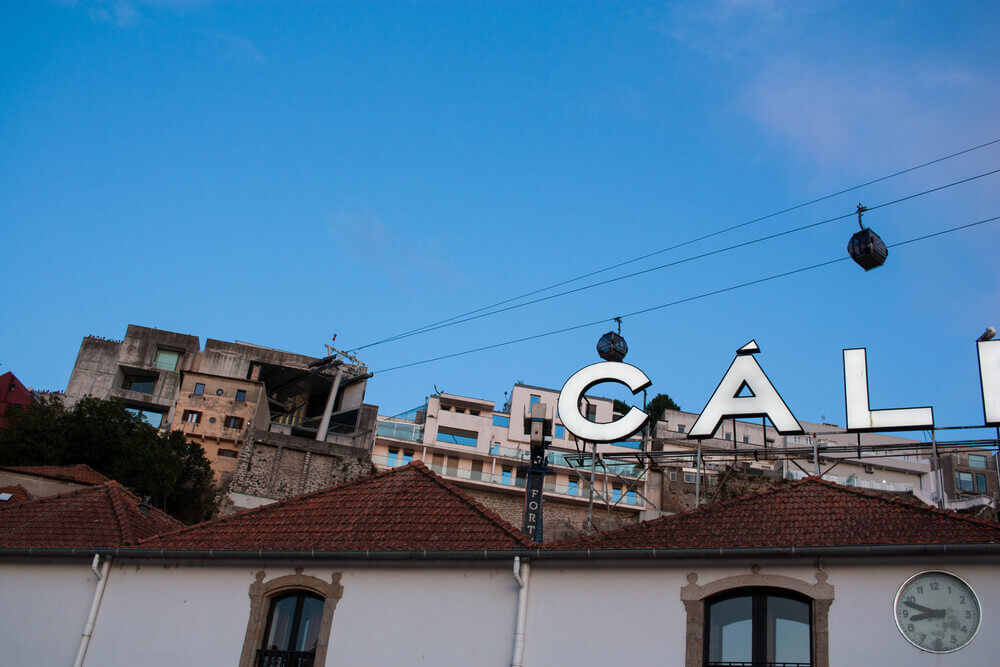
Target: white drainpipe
522 575
88 629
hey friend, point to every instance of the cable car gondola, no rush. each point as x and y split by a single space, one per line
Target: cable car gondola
866 247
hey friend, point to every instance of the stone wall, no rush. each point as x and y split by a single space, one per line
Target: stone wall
717 486
279 470
560 520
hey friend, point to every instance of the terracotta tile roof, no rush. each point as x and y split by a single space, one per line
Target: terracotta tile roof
18 494
79 473
812 512
98 516
407 508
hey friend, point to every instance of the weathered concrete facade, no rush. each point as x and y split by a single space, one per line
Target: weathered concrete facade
273 467
216 394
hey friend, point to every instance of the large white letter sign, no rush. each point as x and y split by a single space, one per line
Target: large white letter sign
860 417
760 400
989 376
585 378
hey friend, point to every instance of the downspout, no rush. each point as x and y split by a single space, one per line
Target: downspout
522 575
88 629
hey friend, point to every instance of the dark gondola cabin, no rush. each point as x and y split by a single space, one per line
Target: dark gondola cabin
866 247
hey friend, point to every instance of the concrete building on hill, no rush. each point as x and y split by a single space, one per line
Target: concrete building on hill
233 398
482 448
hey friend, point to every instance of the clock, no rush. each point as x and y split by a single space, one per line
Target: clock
937 611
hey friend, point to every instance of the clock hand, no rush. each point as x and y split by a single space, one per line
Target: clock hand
920 607
940 613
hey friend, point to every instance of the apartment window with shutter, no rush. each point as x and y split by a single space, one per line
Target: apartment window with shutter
192 417
234 422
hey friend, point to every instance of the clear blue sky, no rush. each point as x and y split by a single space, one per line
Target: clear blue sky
280 172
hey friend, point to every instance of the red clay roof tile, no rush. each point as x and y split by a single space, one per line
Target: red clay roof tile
98 516
18 494
812 512
80 473
407 508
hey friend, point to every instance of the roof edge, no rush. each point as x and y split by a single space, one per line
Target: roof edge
729 553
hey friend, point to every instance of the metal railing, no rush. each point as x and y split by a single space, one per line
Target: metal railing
401 431
276 658
857 482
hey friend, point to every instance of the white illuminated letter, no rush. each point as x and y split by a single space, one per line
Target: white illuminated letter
762 399
860 417
584 379
989 376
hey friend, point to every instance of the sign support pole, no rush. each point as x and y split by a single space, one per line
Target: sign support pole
535 483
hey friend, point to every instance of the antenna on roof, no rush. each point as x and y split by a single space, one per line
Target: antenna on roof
144 506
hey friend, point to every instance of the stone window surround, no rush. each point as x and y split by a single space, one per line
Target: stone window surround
261 593
693 596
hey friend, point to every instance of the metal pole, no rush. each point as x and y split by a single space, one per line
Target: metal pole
815 456
697 476
937 466
324 425
590 504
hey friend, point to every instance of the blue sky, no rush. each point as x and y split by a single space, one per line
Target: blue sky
280 172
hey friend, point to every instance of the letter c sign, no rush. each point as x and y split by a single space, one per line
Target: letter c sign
585 378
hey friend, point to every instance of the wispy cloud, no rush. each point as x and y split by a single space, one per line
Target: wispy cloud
403 258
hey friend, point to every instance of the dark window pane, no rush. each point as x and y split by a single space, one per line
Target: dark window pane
981 482
199 388
730 633
312 610
282 617
787 630
241 395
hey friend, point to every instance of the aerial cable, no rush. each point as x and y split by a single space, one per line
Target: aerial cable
678 245
685 260
669 304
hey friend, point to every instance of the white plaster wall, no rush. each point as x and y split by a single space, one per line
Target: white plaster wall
155 615
863 630
43 609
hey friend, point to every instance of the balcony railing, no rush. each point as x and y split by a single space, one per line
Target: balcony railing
579 491
857 482
401 431
275 658
559 459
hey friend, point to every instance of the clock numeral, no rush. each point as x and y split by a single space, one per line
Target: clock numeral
961 599
920 590
954 639
910 598
935 585
909 627
968 614
923 636
906 613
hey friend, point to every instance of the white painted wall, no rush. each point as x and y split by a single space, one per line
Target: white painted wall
43 609
449 615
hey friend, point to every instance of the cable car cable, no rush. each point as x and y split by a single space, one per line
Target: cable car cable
687 259
680 245
685 300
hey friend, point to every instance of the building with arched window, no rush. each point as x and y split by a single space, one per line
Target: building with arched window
404 568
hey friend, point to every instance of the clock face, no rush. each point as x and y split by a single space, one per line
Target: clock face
937 612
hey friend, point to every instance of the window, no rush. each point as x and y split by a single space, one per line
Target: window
241 395
390 457
506 476
711 480
500 420
980 482
457 436
560 431
729 436
152 418
689 478
977 461
680 428
758 626
290 620
592 412
227 453
140 383
746 439
535 399
630 497
199 388
616 494
963 480
192 417
219 392
673 475
233 422
166 360
574 487
407 457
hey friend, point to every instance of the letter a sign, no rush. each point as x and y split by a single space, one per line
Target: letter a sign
745 391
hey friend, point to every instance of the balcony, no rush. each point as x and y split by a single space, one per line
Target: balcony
401 431
857 482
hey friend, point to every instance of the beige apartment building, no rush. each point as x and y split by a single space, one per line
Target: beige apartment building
483 448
